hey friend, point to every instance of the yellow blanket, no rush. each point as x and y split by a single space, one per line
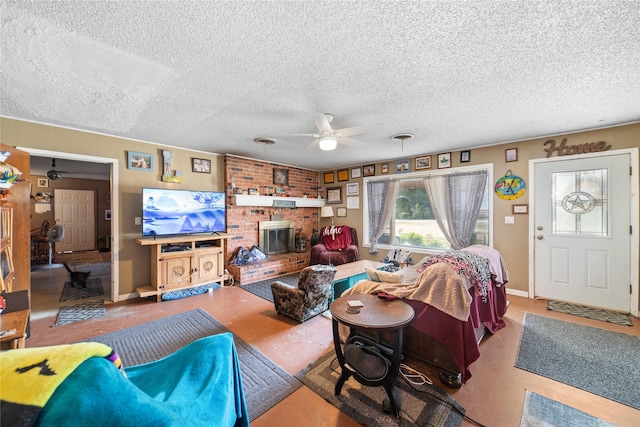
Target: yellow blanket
30 376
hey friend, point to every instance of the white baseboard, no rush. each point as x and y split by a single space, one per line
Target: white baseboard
523 294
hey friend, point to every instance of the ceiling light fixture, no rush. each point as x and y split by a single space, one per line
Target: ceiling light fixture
328 143
265 142
402 137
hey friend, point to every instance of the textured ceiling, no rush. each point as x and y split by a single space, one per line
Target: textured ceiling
213 76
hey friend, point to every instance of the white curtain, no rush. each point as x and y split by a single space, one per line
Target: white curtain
381 205
455 200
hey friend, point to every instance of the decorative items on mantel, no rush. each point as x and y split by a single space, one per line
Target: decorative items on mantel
275 201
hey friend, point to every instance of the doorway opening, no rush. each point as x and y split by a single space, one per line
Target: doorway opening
103 260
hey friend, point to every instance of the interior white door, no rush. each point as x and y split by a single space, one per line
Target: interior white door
582 231
75 210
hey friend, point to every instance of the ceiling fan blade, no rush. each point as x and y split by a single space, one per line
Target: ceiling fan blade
350 141
356 130
315 135
314 144
322 123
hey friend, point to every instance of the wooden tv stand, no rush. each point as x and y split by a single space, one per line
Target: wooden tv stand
182 262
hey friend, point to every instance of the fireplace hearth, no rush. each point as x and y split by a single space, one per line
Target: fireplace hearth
276 237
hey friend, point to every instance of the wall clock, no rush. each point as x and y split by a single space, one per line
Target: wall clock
510 187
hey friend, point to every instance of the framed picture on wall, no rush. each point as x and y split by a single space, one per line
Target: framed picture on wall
423 162
444 160
356 173
200 165
465 156
353 189
329 178
369 170
140 161
43 182
511 155
403 165
341 212
384 168
343 175
280 176
334 195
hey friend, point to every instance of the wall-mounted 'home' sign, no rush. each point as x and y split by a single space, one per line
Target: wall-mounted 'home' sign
568 150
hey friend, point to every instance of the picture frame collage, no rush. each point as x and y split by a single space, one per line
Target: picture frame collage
424 162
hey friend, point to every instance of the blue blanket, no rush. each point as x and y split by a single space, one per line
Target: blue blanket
198 385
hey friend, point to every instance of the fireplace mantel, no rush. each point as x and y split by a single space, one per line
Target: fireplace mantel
267 201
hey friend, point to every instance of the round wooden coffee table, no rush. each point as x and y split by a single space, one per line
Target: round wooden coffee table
376 315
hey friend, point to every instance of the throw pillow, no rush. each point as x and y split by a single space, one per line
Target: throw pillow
384 276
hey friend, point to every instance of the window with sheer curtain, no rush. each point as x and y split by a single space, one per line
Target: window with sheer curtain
428 211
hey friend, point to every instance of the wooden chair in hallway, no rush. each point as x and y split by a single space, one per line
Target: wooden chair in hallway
40 244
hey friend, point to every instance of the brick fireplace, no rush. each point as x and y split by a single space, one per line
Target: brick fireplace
243 222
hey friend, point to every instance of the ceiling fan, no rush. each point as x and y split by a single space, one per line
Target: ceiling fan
329 138
54 174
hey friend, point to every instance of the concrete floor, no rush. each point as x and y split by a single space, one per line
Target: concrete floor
494 396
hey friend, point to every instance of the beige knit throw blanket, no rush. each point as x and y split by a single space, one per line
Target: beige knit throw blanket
439 286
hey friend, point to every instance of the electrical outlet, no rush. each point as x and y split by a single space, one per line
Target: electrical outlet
138 221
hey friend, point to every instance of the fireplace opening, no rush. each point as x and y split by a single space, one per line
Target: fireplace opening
276 237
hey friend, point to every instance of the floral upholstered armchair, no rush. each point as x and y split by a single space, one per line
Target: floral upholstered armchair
310 298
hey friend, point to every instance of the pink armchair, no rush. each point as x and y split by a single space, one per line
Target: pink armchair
338 245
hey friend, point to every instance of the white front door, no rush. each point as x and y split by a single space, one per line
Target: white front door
75 211
582 240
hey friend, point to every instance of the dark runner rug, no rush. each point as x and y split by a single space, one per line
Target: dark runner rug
263 288
424 405
590 312
83 311
542 411
70 292
592 359
264 382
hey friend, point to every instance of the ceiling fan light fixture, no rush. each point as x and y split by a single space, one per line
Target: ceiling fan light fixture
328 143
54 175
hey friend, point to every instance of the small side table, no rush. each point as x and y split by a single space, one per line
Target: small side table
376 316
15 316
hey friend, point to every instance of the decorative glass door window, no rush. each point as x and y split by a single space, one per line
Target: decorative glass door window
580 203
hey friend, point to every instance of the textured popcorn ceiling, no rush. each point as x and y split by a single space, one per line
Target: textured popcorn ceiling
213 76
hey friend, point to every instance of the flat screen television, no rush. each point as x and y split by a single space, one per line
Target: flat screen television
175 212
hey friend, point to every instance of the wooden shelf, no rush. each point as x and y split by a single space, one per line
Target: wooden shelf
268 201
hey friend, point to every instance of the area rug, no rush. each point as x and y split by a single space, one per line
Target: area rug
265 383
263 288
542 411
426 405
83 311
93 289
590 312
592 359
